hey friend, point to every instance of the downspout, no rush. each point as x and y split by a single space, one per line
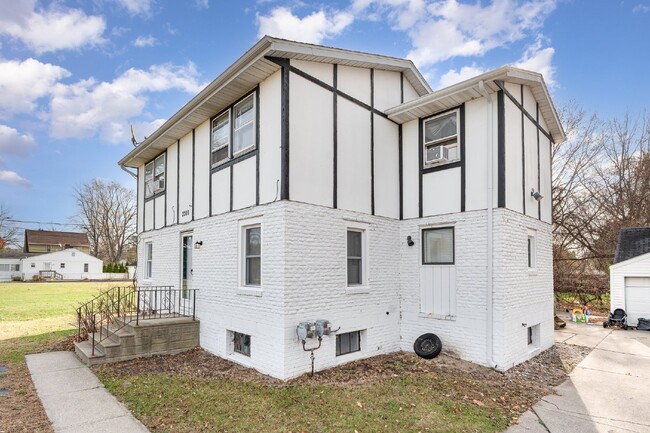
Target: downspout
135 176
490 213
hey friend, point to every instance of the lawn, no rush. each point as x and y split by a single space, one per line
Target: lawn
34 308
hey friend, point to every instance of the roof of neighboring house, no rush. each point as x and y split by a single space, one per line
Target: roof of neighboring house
55 238
15 254
247 72
632 242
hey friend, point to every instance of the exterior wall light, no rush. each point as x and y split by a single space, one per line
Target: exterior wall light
536 195
409 241
198 245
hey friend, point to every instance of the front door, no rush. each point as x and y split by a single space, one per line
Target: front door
47 266
186 272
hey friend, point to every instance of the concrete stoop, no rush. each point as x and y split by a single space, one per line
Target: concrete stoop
150 337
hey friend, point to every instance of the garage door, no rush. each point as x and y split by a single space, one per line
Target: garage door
637 298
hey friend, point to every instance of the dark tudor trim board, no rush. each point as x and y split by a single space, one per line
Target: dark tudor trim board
501 151
178 181
523 155
539 169
372 142
193 168
503 89
335 138
257 146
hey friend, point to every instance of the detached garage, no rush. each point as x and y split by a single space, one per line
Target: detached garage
629 276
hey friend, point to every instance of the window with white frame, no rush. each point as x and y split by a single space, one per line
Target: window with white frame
355 255
16 267
244 125
33 265
252 255
85 267
532 250
62 266
220 137
441 143
6 267
154 176
148 257
438 246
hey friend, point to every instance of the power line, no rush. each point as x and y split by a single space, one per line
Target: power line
44 223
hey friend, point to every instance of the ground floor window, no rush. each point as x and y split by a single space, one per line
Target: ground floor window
532 250
148 257
85 267
241 343
62 266
348 343
438 246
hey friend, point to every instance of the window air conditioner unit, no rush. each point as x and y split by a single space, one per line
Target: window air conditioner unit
160 184
438 154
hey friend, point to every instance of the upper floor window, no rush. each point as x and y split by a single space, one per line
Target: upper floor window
234 128
154 176
441 139
220 137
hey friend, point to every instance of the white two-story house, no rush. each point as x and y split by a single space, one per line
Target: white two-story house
308 182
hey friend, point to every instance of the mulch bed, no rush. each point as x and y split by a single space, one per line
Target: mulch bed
21 409
515 390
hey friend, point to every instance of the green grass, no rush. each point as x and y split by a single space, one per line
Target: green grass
37 308
13 350
409 404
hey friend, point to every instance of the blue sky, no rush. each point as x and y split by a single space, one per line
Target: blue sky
75 74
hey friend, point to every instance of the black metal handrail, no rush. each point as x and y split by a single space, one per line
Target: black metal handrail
128 304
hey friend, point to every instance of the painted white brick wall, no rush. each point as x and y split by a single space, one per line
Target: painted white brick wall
466 335
304 265
521 296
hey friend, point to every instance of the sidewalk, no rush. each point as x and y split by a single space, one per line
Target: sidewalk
606 392
74 399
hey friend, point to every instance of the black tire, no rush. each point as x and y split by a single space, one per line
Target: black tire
604 324
427 346
625 327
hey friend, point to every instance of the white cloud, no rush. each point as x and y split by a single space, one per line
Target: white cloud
14 143
137 7
465 73
13 178
88 107
144 41
539 59
202 4
641 8
49 30
313 28
22 83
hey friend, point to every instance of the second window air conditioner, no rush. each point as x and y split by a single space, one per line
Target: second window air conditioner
437 154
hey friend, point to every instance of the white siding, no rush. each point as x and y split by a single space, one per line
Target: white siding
441 192
386 168
202 170
514 191
438 291
476 151
269 147
637 267
353 157
386 89
243 182
322 71
140 194
545 160
185 176
10 274
409 92
312 142
148 215
221 191
172 182
159 211
355 82
410 169
74 265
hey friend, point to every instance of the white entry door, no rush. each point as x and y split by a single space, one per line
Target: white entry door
47 266
186 273
637 299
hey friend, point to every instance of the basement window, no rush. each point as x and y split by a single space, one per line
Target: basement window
241 343
348 343
533 337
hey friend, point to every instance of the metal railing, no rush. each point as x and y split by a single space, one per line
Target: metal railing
120 306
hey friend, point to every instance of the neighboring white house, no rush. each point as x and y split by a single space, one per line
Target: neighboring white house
629 276
71 263
308 182
10 265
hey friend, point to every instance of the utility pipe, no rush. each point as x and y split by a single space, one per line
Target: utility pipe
490 213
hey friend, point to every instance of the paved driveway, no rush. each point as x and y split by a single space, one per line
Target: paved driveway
609 391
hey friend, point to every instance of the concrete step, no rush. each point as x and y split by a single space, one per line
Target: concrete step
84 351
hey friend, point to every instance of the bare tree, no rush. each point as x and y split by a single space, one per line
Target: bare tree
107 212
9 233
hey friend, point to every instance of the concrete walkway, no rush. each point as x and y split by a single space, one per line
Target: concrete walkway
74 399
609 391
